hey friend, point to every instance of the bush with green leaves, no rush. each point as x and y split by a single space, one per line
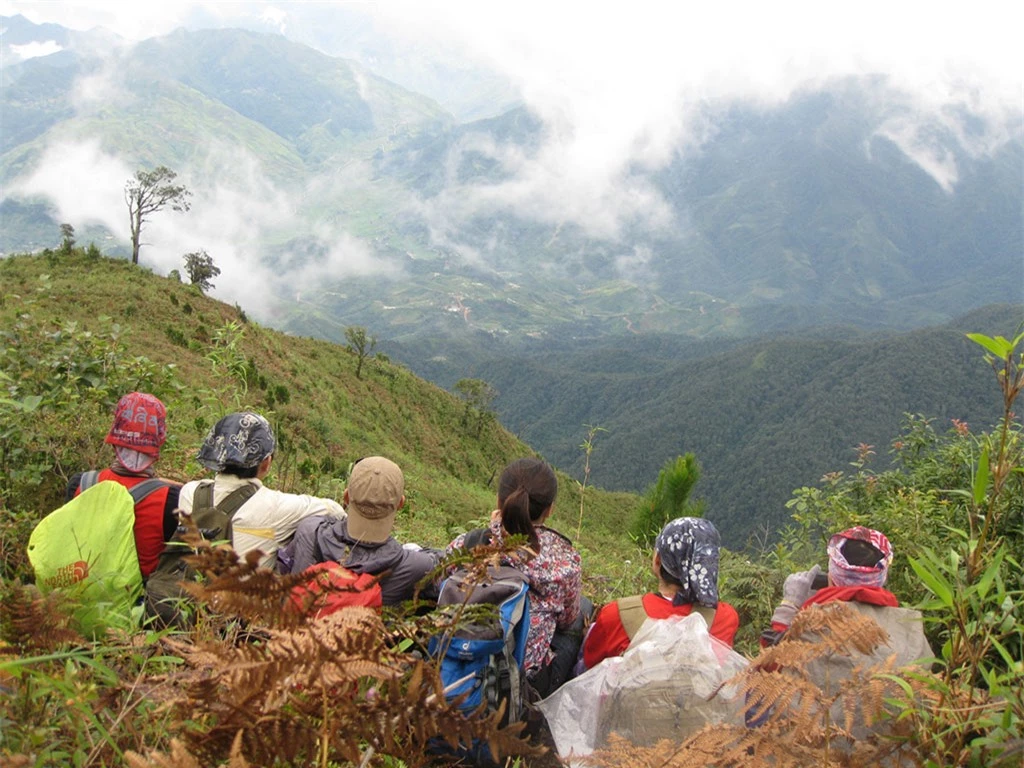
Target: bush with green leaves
58 382
668 499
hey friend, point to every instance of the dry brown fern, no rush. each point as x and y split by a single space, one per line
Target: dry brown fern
297 689
798 721
180 757
36 623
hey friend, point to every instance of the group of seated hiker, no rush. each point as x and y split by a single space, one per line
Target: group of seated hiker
294 532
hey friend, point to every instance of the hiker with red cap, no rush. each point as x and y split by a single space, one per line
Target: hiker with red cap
137 434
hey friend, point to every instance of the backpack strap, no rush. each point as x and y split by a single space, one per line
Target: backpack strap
140 491
88 479
203 495
476 537
707 613
231 503
632 614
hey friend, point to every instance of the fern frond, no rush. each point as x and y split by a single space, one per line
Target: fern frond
36 623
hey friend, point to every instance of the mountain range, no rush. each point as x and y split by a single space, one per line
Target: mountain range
794 274
843 204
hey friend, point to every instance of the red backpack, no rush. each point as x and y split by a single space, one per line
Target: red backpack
331 587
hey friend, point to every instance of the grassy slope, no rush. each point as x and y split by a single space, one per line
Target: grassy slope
331 417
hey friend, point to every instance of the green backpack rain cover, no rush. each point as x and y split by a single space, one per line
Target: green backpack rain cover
87 549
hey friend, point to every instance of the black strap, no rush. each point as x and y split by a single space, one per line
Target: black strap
477 537
88 479
140 491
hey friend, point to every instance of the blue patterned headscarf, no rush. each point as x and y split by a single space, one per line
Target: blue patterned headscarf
688 547
238 440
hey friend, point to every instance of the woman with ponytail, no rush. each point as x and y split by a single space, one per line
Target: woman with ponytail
526 497
686 564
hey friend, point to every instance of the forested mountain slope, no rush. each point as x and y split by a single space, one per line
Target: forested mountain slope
763 416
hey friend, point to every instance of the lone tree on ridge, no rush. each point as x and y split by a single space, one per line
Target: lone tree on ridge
360 343
201 269
148 192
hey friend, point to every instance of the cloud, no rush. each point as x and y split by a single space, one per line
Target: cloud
233 219
84 184
625 88
552 187
275 18
621 89
32 50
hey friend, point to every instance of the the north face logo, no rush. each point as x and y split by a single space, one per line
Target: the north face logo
69 574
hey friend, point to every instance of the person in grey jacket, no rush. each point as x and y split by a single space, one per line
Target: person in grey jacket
362 542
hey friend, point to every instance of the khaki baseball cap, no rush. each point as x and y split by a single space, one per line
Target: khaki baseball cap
375 491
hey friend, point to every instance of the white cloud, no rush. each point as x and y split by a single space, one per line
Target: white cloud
621 87
235 212
33 50
84 183
275 18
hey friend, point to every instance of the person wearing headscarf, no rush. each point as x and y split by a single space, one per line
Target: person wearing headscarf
138 432
858 567
685 562
240 450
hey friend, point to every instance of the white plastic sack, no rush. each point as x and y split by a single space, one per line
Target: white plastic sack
667 685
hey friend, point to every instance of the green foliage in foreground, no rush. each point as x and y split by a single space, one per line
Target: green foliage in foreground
668 499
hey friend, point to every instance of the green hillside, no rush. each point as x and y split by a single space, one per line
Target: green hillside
78 332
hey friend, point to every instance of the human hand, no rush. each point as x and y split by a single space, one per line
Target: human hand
795 591
799 586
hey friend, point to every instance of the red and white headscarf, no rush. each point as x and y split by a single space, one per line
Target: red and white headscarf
844 573
138 431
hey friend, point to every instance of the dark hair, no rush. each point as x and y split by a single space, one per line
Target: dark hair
243 473
668 578
526 490
862 553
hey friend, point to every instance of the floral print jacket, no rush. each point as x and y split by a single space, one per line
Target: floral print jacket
555 588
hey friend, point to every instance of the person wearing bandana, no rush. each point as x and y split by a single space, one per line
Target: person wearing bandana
858 567
240 450
137 434
685 562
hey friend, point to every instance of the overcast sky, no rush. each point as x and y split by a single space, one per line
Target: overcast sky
582 51
615 81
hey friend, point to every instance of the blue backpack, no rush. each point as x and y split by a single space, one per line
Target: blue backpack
485 660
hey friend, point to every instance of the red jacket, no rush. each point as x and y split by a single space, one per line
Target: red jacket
607 637
155 521
870 595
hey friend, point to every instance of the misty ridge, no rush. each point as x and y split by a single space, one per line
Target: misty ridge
359 201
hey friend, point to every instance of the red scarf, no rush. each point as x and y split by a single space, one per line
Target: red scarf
869 595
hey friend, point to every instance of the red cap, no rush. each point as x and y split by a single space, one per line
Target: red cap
140 423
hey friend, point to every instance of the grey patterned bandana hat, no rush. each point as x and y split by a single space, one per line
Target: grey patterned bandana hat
238 440
688 547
